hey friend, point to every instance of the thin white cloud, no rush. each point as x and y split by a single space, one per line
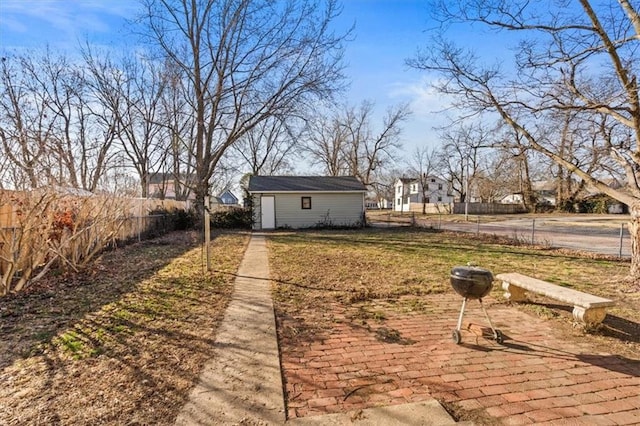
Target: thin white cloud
424 100
61 21
430 111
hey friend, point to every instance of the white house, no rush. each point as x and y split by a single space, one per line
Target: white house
410 195
306 201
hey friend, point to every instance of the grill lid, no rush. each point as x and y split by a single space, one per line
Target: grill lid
471 281
471 273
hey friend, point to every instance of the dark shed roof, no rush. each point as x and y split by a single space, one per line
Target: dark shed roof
305 183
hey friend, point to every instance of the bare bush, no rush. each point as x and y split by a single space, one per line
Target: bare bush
41 229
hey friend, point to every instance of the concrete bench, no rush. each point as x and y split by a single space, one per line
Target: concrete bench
587 308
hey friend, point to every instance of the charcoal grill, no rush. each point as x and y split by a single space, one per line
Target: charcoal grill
472 282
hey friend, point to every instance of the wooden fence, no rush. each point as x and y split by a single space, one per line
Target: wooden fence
11 201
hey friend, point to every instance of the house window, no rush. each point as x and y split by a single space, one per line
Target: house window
426 187
398 201
439 198
306 203
440 186
433 180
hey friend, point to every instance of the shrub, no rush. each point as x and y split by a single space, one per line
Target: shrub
597 204
184 220
233 218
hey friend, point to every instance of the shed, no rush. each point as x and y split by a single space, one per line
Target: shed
306 201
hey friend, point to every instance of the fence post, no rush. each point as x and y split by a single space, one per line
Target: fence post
533 232
478 225
621 236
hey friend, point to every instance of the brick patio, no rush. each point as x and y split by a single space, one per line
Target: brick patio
536 376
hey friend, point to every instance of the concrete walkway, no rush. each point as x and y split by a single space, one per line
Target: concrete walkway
242 383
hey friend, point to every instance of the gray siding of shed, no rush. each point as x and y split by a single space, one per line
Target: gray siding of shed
327 209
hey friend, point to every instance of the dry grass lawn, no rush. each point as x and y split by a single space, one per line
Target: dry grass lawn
359 269
122 343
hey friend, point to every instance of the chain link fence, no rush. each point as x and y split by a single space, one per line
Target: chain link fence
609 236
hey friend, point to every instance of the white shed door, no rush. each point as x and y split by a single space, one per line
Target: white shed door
268 205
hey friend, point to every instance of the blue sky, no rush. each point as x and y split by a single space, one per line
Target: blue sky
387 32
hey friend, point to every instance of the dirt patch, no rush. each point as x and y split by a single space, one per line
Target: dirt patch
121 342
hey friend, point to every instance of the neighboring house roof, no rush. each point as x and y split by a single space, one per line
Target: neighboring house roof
305 184
67 190
160 178
228 197
405 180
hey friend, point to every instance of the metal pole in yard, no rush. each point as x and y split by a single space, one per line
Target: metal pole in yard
138 221
207 230
533 231
478 225
621 236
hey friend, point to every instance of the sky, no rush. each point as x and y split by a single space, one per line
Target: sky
387 32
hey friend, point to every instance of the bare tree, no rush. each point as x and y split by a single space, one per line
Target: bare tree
84 131
130 90
325 143
492 181
176 114
348 142
383 186
513 147
270 147
54 130
244 61
460 156
577 138
25 127
582 59
423 165
366 149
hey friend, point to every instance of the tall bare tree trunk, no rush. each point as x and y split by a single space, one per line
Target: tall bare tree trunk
634 232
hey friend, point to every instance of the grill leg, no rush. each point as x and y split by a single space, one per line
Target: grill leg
496 334
464 303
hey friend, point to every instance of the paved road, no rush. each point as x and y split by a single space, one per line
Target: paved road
601 236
